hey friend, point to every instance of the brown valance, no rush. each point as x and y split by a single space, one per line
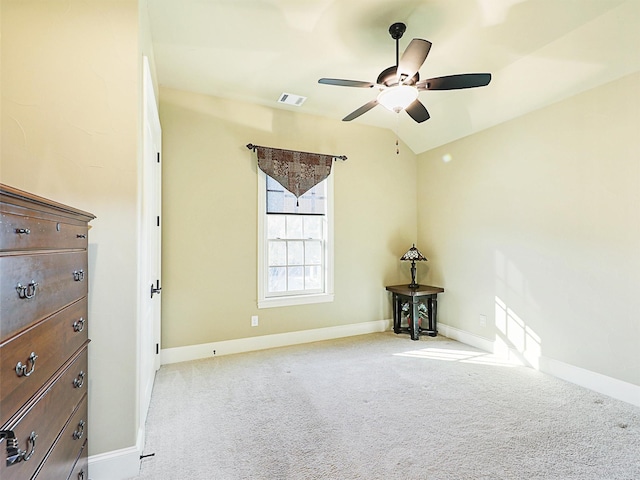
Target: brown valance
296 171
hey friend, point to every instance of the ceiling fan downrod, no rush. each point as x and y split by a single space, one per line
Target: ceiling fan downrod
397 30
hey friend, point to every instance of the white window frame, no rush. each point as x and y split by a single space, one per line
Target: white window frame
293 299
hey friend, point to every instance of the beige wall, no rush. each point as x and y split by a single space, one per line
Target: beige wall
210 218
536 224
70 96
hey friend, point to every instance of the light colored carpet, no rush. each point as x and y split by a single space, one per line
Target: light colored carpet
382 407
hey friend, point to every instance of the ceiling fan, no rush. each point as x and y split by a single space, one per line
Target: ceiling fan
400 84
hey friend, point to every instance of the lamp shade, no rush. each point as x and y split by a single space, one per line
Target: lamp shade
413 255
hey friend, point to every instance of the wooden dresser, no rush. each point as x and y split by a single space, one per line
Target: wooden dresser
43 338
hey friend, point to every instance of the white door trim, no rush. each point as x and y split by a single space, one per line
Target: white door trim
148 324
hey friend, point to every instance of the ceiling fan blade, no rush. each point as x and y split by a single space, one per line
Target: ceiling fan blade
455 82
346 83
417 111
413 58
363 109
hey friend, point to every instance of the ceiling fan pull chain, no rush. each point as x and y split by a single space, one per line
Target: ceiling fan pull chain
397 132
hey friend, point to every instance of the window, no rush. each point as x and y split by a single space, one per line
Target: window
295 254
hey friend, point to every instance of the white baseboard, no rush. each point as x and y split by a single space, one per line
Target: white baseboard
612 387
228 347
465 337
115 465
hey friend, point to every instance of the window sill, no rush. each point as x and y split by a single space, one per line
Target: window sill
295 300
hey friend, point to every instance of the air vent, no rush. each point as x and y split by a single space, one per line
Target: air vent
290 99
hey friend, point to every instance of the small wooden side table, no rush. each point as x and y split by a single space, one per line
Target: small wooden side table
415 296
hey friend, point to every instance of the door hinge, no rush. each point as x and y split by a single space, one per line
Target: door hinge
157 349
158 157
158 221
156 289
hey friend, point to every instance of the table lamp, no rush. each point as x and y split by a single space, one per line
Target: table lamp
413 255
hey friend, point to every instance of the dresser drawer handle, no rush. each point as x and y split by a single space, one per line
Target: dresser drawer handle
78 325
27 291
81 235
78 275
79 380
77 435
21 369
32 439
14 454
23 231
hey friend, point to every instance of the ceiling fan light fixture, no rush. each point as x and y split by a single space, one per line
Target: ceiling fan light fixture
397 98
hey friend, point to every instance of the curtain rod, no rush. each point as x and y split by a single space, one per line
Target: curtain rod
253 147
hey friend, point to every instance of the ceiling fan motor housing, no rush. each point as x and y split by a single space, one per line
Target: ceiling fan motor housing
389 77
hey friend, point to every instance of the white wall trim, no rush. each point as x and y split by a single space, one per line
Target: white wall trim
228 347
467 338
627 392
612 387
115 465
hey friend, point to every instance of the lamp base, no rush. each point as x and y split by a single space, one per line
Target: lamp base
413 283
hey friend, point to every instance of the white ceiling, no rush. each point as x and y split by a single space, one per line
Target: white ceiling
538 51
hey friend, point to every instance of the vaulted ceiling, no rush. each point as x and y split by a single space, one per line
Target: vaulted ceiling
538 51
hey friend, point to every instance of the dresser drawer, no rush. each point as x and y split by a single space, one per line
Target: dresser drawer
34 286
45 418
53 341
81 468
23 232
69 447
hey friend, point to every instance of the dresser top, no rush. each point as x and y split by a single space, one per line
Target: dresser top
13 196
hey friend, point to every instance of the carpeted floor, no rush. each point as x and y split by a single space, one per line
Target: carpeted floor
380 407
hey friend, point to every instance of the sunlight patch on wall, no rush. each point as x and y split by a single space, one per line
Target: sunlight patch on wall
515 334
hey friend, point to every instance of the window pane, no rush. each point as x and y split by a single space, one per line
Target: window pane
275 201
312 227
276 226
295 278
277 279
294 226
280 200
313 278
312 252
295 253
273 185
290 204
277 253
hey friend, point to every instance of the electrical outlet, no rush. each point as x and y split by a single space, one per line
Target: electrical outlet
254 320
483 320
